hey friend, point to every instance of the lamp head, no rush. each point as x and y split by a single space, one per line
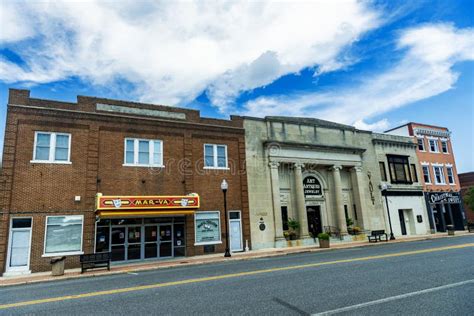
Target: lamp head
224 185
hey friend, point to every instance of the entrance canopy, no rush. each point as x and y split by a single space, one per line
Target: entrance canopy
126 206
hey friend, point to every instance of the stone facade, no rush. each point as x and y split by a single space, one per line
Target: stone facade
283 153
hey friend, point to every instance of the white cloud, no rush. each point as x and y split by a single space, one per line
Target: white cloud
173 51
425 70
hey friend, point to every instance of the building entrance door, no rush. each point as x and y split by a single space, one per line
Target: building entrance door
314 220
18 260
166 240
235 227
403 227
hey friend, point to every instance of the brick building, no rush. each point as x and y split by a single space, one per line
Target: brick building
466 180
142 181
438 174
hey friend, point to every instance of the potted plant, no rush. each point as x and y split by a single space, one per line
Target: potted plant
349 223
294 225
286 235
323 240
356 230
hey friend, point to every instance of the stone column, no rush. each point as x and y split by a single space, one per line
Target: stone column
275 180
358 186
341 217
300 201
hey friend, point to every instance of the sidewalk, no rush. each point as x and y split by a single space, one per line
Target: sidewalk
187 261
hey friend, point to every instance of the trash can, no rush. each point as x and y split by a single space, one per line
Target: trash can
450 230
57 264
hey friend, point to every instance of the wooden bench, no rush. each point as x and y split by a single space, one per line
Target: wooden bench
376 235
95 260
470 227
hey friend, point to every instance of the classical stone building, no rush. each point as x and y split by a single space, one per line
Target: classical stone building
324 175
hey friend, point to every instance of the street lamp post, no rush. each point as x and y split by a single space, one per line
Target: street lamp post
224 187
384 188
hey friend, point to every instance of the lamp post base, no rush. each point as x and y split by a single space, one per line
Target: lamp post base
392 237
227 253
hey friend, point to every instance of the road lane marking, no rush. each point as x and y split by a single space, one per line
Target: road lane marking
393 298
227 276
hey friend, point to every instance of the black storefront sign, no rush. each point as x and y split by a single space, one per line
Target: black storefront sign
444 197
312 187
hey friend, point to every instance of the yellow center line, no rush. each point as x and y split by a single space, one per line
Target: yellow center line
227 276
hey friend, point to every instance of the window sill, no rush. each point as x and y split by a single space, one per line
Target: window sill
142 166
440 184
60 254
51 162
216 168
208 243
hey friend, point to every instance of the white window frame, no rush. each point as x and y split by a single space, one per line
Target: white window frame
151 150
214 153
423 142
68 253
444 141
441 173
26 269
52 148
436 144
429 173
220 230
452 174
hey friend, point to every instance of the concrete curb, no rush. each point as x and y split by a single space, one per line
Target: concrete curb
75 274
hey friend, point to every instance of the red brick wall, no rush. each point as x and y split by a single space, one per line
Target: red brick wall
97 155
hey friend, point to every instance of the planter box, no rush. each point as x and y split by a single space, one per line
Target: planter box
450 232
323 243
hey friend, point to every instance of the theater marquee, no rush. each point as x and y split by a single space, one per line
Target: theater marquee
146 205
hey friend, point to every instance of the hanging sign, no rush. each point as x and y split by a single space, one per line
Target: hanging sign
312 188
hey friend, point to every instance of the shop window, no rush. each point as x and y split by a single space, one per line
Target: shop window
102 239
383 173
143 152
179 240
439 175
426 174
52 147
444 146
449 170
414 175
433 145
284 217
399 169
215 156
63 235
207 228
421 144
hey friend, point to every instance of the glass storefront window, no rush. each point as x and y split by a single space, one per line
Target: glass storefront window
63 234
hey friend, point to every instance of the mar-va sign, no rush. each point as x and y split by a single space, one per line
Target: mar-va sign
147 202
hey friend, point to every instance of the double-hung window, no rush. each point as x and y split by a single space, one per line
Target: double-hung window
426 174
63 235
143 152
450 173
444 146
439 174
421 144
399 168
215 156
433 145
52 147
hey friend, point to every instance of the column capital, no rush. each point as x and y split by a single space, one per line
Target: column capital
356 169
335 168
298 165
274 164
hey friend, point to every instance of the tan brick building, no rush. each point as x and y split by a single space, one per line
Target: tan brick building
438 174
159 170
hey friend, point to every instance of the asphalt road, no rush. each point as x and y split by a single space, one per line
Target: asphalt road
433 277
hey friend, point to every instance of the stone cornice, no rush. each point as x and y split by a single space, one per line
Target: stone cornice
327 148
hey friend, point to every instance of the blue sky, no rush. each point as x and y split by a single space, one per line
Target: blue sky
371 64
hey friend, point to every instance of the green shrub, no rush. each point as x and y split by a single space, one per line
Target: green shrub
323 236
